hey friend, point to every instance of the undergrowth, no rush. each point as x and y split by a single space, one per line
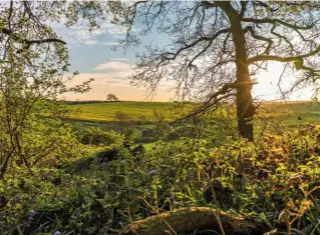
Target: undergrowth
274 180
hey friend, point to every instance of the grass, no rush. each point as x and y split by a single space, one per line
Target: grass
104 114
134 111
293 114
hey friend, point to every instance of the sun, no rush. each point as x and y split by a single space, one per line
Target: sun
267 87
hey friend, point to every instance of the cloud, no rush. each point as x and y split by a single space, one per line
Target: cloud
115 30
80 34
110 43
119 59
117 66
103 79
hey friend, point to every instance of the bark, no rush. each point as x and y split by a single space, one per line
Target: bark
245 109
186 220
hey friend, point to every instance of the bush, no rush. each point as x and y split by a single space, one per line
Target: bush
98 137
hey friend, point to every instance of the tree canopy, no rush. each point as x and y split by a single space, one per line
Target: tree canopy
112 97
33 64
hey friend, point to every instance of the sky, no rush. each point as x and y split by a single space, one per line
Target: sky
93 55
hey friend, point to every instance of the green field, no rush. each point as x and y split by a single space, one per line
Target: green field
291 113
134 111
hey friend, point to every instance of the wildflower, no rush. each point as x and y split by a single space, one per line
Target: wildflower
110 224
57 233
290 204
15 200
305 205
31 215
171 200
100 160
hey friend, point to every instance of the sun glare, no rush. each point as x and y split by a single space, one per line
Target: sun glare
268 86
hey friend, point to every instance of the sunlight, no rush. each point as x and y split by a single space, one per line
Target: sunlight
165 133
268 88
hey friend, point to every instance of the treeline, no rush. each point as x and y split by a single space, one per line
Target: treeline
104 101
90 101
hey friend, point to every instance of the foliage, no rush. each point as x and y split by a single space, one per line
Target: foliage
32 71
98 137
39 134
112 97
91 181
263 181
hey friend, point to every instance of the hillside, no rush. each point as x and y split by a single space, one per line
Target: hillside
133 111
290 113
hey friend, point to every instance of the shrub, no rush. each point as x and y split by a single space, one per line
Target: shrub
97 136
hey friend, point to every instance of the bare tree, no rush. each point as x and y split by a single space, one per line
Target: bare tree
216 46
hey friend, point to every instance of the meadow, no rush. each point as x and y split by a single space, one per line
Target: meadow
133 110
104 114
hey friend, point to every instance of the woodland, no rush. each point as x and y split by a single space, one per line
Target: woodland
215 161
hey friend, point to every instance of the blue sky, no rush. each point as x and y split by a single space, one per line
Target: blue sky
92 54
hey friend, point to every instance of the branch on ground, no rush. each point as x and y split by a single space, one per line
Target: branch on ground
185 220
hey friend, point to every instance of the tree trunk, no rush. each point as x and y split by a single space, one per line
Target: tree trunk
245 109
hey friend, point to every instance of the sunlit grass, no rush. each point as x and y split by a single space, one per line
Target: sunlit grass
135 111
293 113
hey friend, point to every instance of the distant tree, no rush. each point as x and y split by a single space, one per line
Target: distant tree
123 120
216 46
121 116
159 116
112 97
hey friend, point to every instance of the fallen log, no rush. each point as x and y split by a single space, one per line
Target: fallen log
185 220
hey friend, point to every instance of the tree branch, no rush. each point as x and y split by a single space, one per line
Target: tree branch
187 46
208 4
261 38
265 5
214 99
243 7
273 21
27 42
283 59
282 37
186 220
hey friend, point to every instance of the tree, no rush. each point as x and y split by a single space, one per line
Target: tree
216 46
32 66
112 97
